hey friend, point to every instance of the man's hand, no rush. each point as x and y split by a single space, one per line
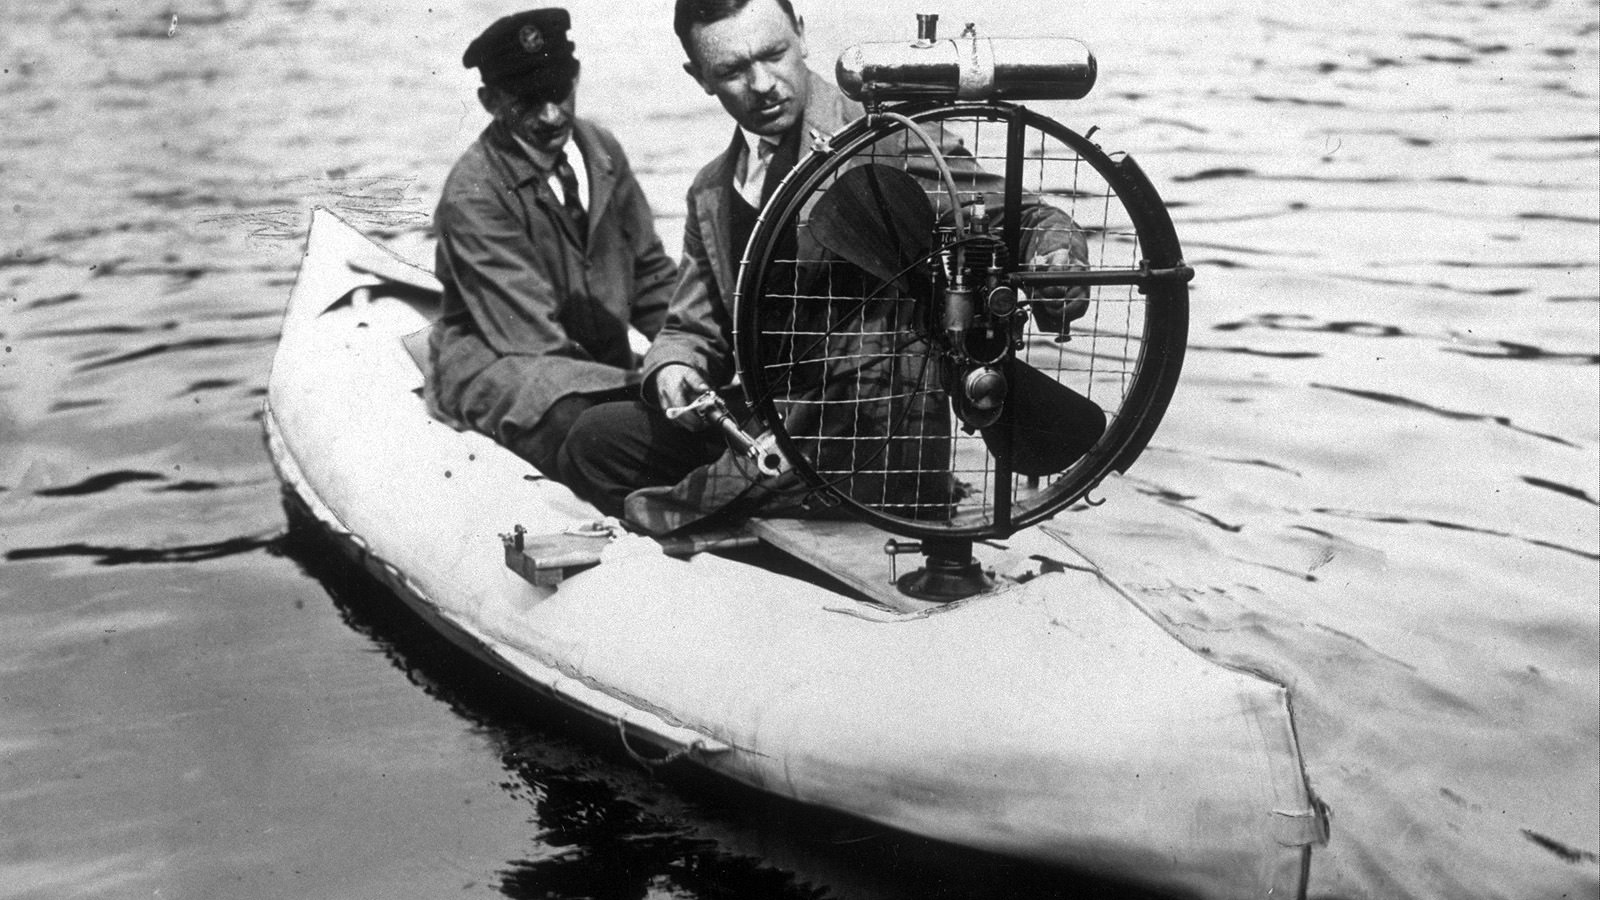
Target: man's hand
677 386
1052 318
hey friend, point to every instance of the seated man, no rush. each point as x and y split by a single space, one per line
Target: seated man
750 55
547 251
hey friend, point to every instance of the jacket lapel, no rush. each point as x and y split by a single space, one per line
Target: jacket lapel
602 173
524 175
716 220
827 110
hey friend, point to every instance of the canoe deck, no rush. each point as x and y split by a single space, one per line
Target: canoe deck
852 553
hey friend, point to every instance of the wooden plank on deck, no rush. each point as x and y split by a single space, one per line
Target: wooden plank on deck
848 550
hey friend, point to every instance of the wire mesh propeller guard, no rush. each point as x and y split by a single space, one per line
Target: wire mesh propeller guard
929 370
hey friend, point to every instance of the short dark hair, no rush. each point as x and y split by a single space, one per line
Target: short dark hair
689 13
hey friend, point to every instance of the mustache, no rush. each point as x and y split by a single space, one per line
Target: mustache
544 128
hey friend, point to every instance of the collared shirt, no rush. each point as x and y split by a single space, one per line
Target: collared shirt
752 171
546 162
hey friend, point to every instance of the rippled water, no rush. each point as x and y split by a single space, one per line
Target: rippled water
1379 479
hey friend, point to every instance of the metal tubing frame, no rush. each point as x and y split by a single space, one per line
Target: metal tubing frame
1162 276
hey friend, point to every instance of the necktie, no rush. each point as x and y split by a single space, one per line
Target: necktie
569 191
756 174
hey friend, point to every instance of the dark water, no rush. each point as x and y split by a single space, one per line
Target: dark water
1379 480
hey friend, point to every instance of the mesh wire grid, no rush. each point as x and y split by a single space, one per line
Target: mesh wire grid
855 372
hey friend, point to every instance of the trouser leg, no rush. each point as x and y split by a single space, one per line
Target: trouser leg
539 444
616 448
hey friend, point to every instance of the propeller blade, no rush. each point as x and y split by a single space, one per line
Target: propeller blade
876 218
1047 426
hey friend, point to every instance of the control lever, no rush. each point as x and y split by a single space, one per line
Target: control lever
763 451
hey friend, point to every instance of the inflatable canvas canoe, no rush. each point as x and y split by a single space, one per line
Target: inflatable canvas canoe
1050 719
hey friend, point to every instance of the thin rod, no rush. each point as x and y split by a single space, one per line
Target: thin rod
1016 135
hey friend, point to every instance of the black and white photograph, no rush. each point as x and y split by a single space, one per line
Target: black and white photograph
795 449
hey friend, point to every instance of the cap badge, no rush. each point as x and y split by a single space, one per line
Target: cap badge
531 39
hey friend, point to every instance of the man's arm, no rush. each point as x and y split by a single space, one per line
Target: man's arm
697 329
1050 239
1049 236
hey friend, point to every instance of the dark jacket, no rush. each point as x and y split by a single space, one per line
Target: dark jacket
694 333
533 311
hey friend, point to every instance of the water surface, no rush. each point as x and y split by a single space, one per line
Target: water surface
1380 479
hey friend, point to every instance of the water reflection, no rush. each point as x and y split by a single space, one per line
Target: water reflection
104 555
1455 414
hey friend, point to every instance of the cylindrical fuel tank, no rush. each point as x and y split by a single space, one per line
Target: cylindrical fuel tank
967 68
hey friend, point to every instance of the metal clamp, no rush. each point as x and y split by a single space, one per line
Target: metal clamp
712 408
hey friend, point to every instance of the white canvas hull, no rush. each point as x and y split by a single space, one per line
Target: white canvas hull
1050 720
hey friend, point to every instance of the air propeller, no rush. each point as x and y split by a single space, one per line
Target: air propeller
880 219
957 316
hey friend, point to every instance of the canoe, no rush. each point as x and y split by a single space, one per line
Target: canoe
1051 719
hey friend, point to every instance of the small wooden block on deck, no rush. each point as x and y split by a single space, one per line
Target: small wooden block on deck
549 559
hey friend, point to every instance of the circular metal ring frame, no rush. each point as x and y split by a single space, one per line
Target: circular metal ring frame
1165 317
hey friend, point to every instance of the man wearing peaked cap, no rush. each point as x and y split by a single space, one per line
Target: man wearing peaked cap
547 251
525 52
